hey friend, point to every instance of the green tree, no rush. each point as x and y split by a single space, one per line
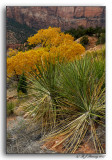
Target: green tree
22 84
84 40
101 39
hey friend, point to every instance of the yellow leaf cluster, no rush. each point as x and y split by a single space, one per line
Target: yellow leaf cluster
24 61
68 51
12 52
50 37
54 43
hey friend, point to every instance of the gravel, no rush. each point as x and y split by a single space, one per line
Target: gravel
23 139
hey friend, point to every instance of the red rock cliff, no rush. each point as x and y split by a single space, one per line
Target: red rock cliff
64 17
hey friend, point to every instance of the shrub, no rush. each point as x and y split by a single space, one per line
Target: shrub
77 33
10 108
101 39
84 40
90 31
53 42
98 31
81 31
22 84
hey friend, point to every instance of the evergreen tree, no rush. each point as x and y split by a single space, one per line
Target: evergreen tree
22 84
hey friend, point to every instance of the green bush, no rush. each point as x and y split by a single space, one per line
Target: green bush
81 31
101 39
90 31
10 108
98 31
84 40
77 33
22 84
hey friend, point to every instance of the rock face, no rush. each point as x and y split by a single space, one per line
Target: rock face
64 17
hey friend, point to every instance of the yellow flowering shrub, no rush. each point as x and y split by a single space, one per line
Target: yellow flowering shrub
68 51
24 61
50 37
54 43
12 52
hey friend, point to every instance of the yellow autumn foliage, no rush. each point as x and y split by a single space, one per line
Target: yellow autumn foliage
24 61
12 52
68 51
54 43
50 37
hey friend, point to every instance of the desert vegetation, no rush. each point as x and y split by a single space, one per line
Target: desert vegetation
60 88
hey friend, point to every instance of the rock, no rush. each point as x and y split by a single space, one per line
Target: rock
79 12
92 12
64 17
19 111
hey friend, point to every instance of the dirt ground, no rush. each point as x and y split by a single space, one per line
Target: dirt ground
92 44
22 139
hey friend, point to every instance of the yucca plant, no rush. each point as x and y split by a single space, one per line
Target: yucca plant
44 83
82 92
70 101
